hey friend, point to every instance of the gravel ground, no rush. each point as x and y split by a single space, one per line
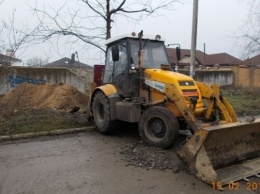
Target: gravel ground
148 157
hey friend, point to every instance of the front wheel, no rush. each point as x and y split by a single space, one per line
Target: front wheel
159 127
101 113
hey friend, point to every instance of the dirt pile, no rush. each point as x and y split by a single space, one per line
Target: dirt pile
54 96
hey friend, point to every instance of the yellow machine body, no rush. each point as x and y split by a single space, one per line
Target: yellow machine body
186 86
213 151
220 150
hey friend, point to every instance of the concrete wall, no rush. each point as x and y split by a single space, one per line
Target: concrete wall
12 76
247 78
221 76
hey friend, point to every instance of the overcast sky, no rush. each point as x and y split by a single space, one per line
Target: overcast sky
219 23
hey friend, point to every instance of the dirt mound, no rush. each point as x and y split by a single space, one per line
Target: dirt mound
54 96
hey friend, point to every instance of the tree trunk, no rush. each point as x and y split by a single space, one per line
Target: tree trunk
108 25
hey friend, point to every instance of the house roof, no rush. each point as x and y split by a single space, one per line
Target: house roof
66 62
222 58
184 52
203 58
5 58
253 61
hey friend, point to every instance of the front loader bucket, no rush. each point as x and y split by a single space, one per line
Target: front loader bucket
224 153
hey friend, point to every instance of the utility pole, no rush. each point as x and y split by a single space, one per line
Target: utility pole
194 37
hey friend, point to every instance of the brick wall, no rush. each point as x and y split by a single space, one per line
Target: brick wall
247 78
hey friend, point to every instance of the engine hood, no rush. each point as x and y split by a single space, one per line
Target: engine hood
166 76
157 78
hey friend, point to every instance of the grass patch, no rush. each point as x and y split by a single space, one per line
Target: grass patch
244 103
36 120
31 121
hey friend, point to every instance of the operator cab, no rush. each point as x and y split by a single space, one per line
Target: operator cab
122 57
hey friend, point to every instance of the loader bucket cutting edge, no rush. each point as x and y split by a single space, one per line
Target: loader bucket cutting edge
223 153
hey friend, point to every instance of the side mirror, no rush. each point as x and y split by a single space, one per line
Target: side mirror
178 53
115 53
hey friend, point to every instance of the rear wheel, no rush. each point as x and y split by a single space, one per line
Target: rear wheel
159 127
101 113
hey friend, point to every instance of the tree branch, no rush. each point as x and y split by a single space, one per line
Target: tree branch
118 8
91 7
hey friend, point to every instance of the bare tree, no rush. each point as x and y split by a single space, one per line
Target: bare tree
1 31
93 20
14 38
251 30
37 61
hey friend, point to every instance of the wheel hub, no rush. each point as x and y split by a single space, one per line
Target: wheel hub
101 110
158 127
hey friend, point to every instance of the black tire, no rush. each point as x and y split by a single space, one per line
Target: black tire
159 127
101 114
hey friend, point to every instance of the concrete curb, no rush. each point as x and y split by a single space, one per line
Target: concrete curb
45 133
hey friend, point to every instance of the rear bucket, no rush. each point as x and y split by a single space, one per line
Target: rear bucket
223 153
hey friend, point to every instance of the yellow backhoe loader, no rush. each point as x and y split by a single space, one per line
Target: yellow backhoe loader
139 86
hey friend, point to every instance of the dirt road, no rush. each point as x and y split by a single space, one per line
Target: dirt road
91 163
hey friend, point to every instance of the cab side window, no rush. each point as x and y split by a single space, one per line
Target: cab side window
115 68
109 67
120 65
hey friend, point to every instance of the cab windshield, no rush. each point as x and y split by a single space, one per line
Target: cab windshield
154 53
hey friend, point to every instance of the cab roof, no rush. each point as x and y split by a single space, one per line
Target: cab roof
129 35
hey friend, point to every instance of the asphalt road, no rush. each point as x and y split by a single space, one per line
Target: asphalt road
87 163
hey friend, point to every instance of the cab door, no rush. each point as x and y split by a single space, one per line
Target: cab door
117 71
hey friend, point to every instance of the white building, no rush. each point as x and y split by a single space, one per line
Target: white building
9 59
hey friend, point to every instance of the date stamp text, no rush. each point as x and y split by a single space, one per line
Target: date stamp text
235 186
